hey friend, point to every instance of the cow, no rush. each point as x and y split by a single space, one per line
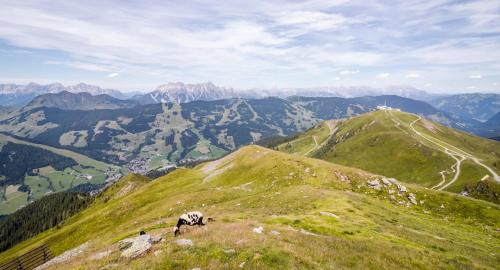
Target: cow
189 218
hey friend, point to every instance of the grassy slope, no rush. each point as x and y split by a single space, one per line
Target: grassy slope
376 143
306 142
259 187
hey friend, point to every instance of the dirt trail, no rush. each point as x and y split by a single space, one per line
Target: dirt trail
454 152
331 126
457 170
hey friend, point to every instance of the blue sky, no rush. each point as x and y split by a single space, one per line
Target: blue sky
434 45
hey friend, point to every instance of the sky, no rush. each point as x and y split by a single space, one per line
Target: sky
439 45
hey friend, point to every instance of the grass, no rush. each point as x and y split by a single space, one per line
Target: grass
383 143
306 142
38 185
14 200
287 193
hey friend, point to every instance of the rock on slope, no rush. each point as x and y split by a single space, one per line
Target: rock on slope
313 214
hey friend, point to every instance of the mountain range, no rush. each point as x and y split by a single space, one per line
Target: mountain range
469 111
182 93
480 107
79 101
189 130
374 176
20 95
178 92
145 137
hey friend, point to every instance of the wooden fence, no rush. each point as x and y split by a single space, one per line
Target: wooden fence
29 260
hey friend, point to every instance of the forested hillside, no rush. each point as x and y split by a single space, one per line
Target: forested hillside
39 216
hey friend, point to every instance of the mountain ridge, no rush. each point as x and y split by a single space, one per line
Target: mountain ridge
432 157
19 95
79 101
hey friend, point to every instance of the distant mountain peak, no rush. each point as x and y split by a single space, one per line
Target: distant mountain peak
19 95
66 100
180 92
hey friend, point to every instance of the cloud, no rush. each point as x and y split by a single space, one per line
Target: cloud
112 75
383 75
249 42
412 75
476 76
302 22
80 65
348 72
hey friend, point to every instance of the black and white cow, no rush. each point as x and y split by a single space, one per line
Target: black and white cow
189 218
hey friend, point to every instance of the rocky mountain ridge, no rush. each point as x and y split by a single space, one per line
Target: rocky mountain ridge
79 101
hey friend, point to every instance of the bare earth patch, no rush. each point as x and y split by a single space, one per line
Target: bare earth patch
11 189
430 126
124 190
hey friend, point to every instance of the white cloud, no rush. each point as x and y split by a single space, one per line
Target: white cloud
80 65
112 75
348 72
336 78
412 76
428 85
476 76
306 21
248 42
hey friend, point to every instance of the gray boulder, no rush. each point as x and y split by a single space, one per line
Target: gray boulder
136 246
386 181
401 188
375 184
412 198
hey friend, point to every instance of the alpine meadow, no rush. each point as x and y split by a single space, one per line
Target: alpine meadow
207 135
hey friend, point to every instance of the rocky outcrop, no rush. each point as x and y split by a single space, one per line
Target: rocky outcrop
136 246
412 198
387 184
375 184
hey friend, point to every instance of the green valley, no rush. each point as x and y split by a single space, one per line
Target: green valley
30 171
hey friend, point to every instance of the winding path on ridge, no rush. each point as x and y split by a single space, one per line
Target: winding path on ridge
331 126
454 152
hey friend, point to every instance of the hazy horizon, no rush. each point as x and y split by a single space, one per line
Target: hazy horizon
317 88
